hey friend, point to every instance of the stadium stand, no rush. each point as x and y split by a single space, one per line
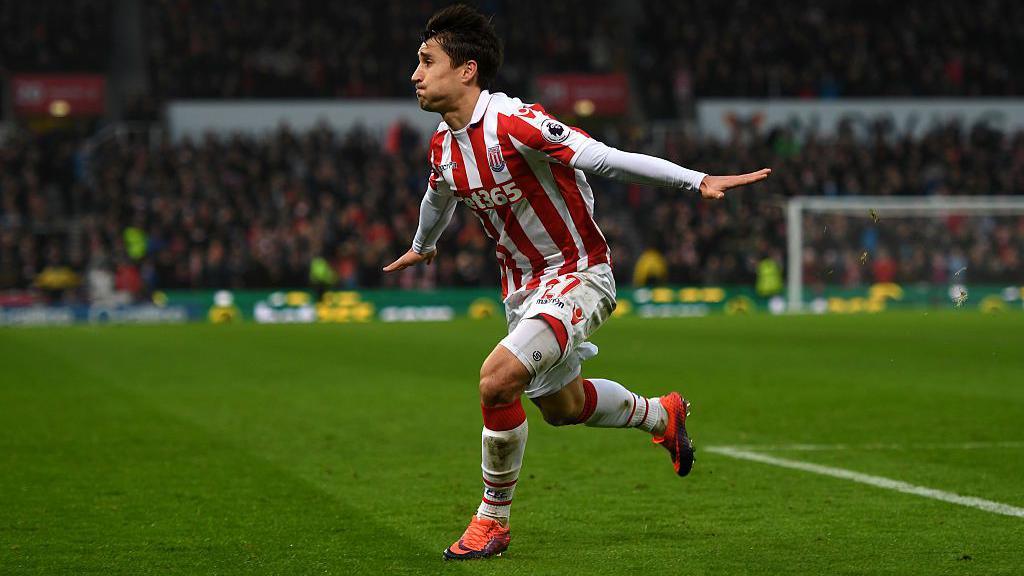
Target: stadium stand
239 48
254 212
55 36
252 49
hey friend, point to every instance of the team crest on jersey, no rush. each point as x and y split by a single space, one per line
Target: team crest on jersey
554 131
495 158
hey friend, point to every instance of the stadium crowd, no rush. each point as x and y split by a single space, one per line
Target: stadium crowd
674 50
329 209
253 49
808 49
52 36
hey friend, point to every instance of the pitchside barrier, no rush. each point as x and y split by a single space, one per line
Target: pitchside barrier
301 306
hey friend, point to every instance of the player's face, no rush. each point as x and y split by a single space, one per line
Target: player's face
437 84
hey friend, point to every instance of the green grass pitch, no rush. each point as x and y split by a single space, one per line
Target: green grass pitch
354 449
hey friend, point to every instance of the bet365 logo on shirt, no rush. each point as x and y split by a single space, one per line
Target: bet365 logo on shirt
485 199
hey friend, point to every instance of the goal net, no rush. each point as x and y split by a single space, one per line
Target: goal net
869 253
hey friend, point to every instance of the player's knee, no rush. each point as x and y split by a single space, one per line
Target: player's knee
498 384
495 390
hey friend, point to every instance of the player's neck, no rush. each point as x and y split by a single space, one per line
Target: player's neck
462 112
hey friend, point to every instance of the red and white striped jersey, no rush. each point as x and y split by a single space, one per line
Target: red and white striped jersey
513 166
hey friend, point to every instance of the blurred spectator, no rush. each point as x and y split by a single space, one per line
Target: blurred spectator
769 275
883 268
127 279
650 269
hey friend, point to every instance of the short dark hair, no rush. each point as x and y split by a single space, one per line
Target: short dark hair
465 34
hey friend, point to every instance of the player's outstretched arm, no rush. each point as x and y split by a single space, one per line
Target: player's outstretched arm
598 158
575 148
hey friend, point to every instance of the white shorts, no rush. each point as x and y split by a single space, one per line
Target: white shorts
580 302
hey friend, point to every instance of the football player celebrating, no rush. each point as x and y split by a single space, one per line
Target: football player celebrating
522 174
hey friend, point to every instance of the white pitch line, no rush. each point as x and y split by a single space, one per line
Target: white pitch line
879 481
798 447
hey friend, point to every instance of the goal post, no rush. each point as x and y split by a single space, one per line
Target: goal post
876 208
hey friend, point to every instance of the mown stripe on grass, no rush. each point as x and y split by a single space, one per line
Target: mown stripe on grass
235 533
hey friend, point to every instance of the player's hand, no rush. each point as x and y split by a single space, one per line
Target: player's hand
714 187
410 258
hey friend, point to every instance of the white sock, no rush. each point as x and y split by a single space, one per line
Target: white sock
502 457
607 404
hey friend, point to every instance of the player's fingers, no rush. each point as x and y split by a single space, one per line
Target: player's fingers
744 179
396 265
755 176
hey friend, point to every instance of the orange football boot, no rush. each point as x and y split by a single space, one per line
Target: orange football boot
675 439
484 538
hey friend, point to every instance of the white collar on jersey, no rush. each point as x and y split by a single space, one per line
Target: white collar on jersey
478 113
481 106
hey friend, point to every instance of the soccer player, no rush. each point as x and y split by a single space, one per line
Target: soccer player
522 173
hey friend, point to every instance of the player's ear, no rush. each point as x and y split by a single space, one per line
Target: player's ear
468 71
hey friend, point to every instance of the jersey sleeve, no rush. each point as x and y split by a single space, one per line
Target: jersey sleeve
609 162
437 206
537 129
436 211
434 157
